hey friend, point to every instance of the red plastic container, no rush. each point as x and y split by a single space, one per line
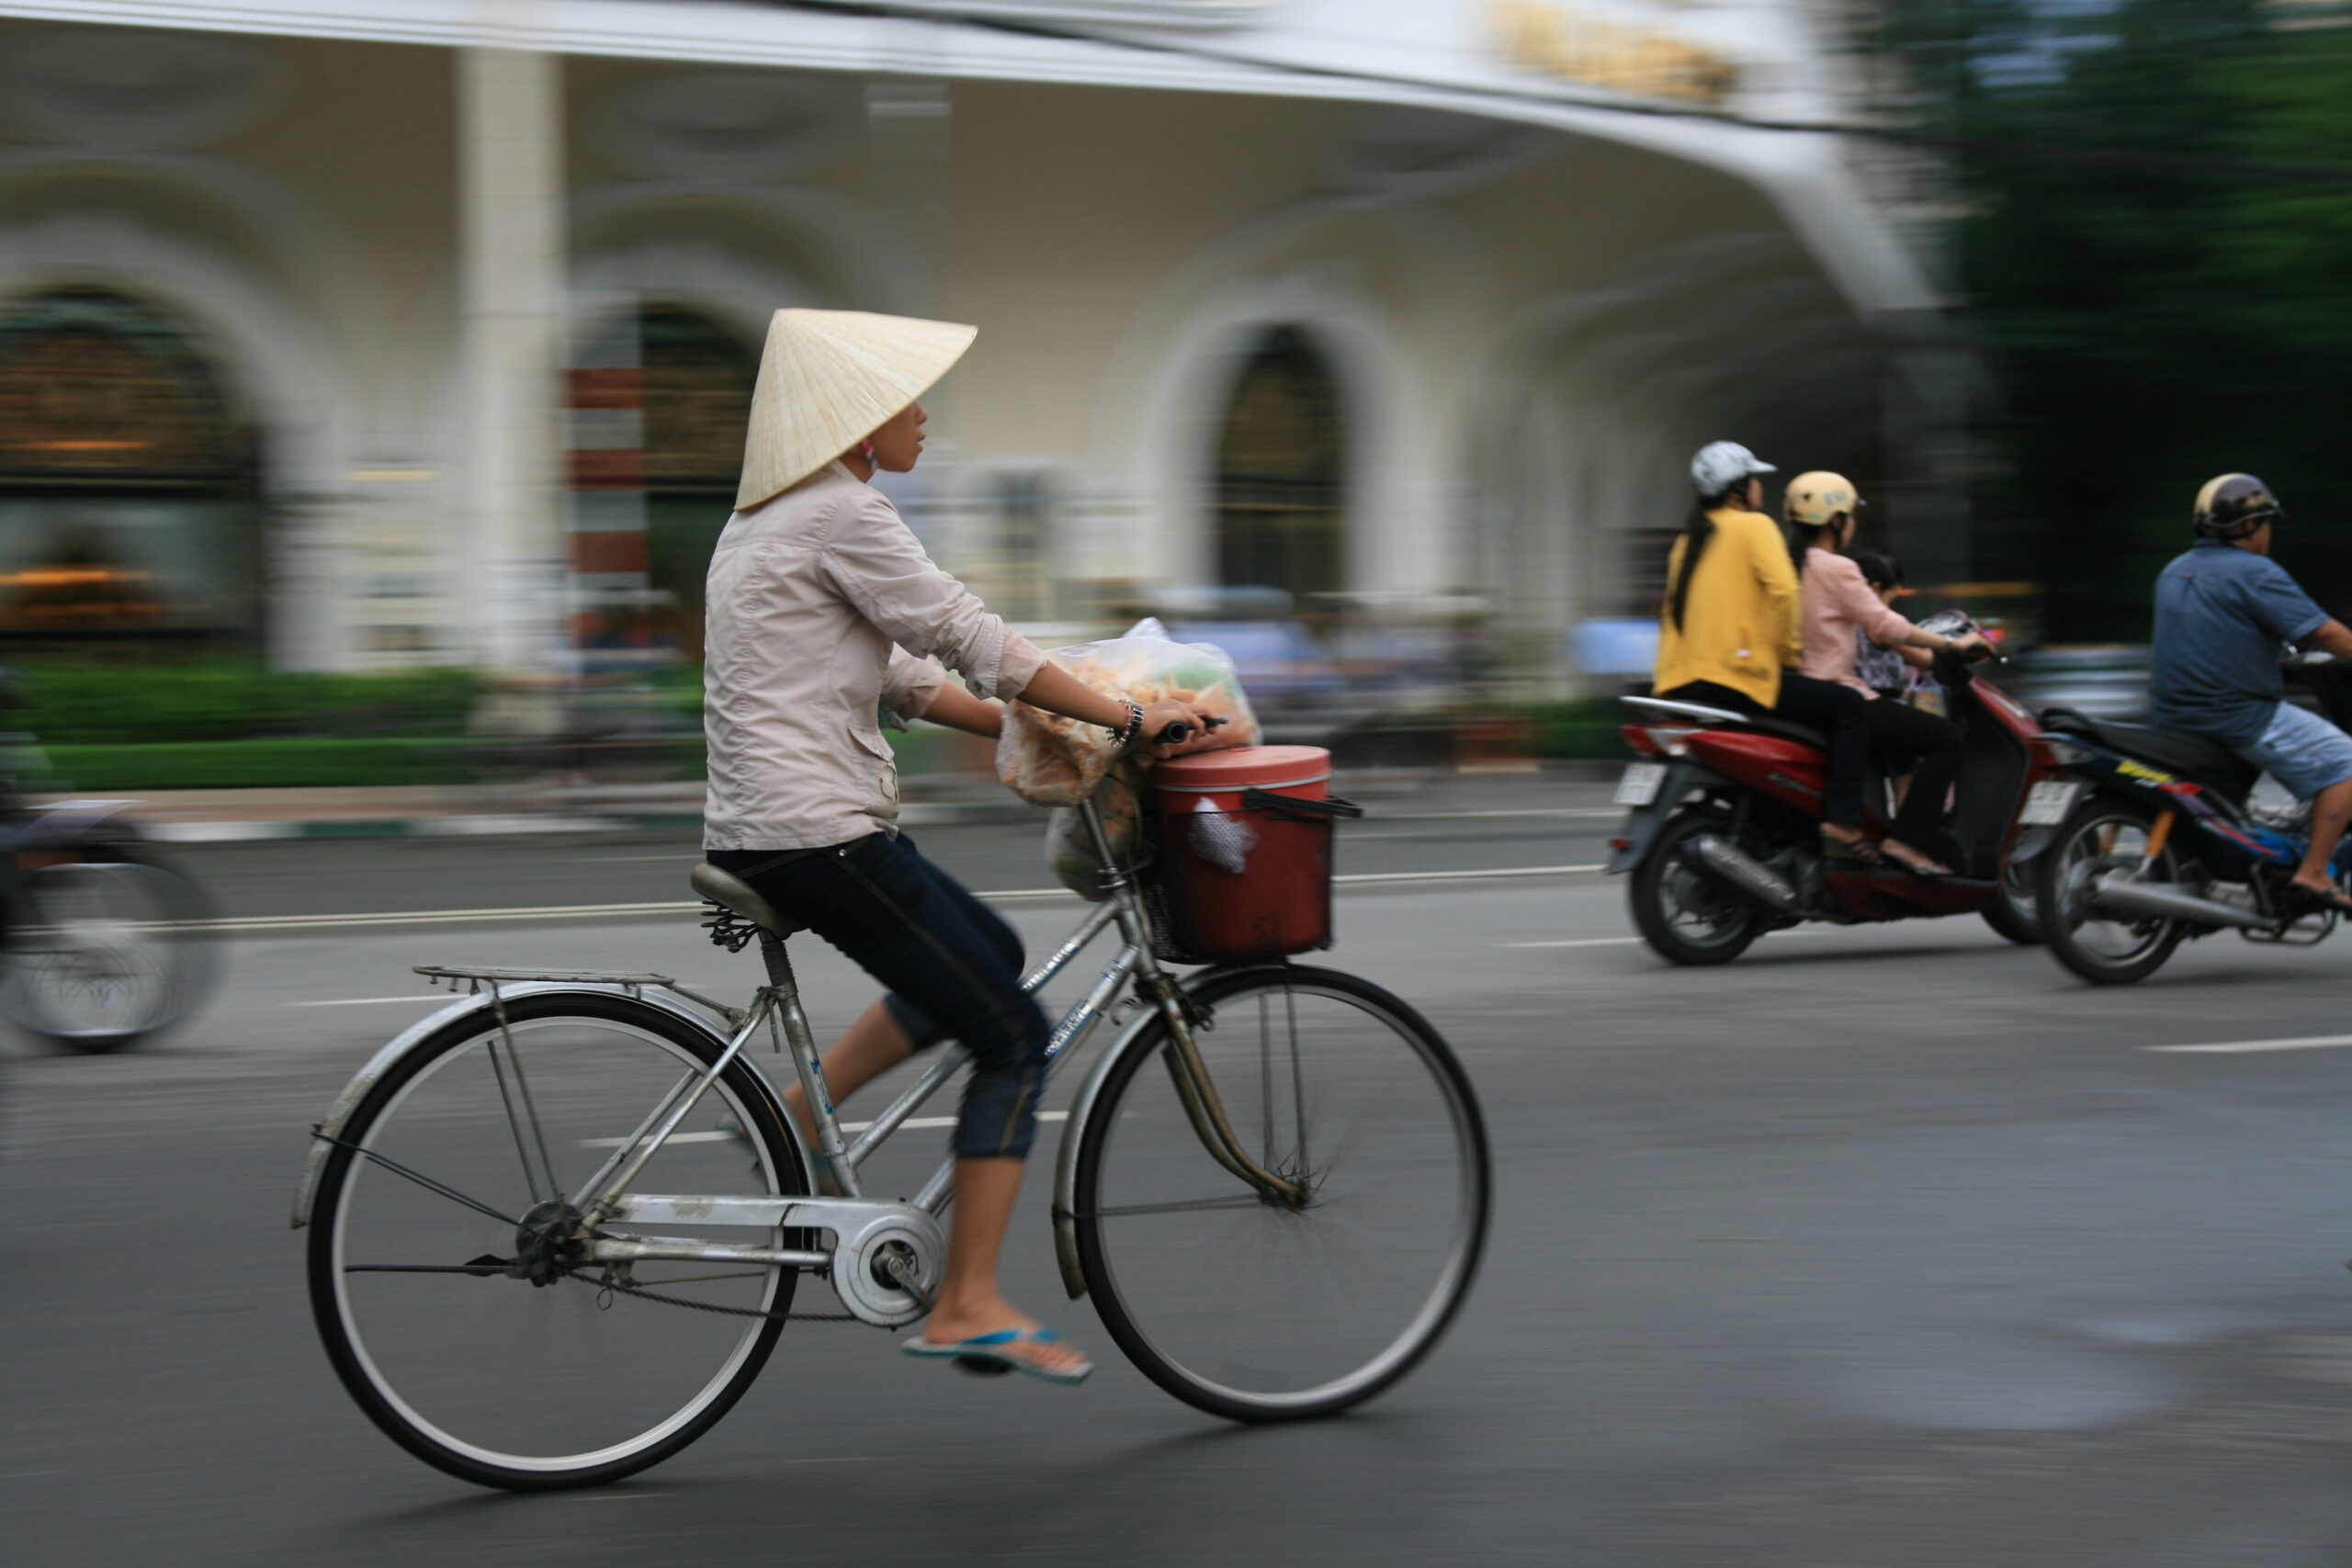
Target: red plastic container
1243 868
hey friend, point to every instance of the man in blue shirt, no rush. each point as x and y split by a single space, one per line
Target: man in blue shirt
2225 612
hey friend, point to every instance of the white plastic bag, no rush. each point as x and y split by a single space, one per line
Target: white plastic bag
1070 848
1047 759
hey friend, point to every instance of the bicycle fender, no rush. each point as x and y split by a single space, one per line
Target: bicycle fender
1081 1109
314 1161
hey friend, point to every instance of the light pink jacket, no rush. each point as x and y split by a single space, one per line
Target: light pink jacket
1836 603
823 610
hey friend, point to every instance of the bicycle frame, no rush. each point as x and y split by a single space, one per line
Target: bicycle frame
606 1197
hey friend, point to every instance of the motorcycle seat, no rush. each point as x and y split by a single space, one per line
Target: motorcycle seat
2200 758
1713 717
1782 727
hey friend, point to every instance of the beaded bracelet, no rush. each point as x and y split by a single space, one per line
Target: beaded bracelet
1126 737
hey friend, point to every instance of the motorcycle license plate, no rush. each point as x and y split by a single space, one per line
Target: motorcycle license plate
1640 784
2050 802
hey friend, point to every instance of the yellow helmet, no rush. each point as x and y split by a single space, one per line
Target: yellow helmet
1812 499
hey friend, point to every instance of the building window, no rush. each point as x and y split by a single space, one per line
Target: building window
1020 570
130 499
1281 461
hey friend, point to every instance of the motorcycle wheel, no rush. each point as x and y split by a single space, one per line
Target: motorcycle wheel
111 950
2016 914
1683 910
2103 836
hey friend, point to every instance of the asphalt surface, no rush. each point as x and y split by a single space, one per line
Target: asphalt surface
1880 1247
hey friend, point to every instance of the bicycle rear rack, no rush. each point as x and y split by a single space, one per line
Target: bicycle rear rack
469 979
475 976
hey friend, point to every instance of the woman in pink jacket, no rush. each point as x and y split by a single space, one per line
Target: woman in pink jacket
1838 603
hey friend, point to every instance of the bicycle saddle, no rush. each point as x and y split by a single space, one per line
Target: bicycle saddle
730 892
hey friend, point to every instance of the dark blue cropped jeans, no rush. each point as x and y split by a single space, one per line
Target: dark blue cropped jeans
953 967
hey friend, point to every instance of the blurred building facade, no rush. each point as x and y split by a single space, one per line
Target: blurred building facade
369 333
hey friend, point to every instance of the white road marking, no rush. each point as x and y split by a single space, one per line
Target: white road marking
675 1137
2241 1047
264 923
1376 815
918 1123
1361 877
1622 940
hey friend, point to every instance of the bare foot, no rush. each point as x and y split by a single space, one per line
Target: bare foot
2323 893
1897 850
1852 841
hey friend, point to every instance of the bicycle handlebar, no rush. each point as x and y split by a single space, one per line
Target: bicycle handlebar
1177 733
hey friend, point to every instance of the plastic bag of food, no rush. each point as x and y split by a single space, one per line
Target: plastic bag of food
1047 759
1070 848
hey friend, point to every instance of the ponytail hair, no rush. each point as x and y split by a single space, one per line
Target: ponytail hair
1802 536
1698 530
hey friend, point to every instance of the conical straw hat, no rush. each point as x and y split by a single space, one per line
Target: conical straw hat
829 380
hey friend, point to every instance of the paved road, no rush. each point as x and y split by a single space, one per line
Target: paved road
1886 1246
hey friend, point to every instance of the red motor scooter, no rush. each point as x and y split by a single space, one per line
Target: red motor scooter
1723 838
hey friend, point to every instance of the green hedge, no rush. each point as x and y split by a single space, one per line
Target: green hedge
1584 728
258 764
214 699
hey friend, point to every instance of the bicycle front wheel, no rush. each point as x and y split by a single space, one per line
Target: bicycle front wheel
438 1191
1261 1309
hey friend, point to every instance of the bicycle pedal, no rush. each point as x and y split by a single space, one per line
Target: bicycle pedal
980 1366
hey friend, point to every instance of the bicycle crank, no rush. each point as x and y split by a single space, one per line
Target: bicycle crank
888 1271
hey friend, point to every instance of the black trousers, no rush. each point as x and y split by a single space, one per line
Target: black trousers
951 963
1900 733
1839 712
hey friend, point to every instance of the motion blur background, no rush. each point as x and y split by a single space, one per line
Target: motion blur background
373 372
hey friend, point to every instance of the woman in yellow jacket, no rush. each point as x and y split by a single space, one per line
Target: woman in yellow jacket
1732 632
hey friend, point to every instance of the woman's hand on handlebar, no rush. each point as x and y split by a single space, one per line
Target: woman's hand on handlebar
1972 648
1197 724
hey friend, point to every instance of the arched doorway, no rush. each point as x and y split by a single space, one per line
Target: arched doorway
129 483
698 377
1280 472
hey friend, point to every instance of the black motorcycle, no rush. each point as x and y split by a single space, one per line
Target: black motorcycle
2154 841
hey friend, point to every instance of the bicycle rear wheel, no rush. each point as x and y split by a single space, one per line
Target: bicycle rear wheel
1263 1311
487 1375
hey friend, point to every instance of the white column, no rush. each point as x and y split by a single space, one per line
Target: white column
511 243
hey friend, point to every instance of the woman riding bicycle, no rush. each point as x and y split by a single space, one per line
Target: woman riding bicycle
1838 603
1729 635
823 608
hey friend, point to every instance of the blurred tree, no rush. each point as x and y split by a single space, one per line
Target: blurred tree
2154 235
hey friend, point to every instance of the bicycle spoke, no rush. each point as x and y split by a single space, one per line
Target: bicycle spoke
522 1086
1179 1206
1297 1081
438 1187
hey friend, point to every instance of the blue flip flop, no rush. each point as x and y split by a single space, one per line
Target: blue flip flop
987 1353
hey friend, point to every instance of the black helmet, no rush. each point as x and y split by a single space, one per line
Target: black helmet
2234 505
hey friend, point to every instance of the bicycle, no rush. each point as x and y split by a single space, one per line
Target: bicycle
1279 1226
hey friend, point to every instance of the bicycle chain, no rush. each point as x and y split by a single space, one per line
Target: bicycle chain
898 1271
610 1286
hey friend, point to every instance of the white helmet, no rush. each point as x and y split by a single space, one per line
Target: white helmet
1721 465
1812 499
